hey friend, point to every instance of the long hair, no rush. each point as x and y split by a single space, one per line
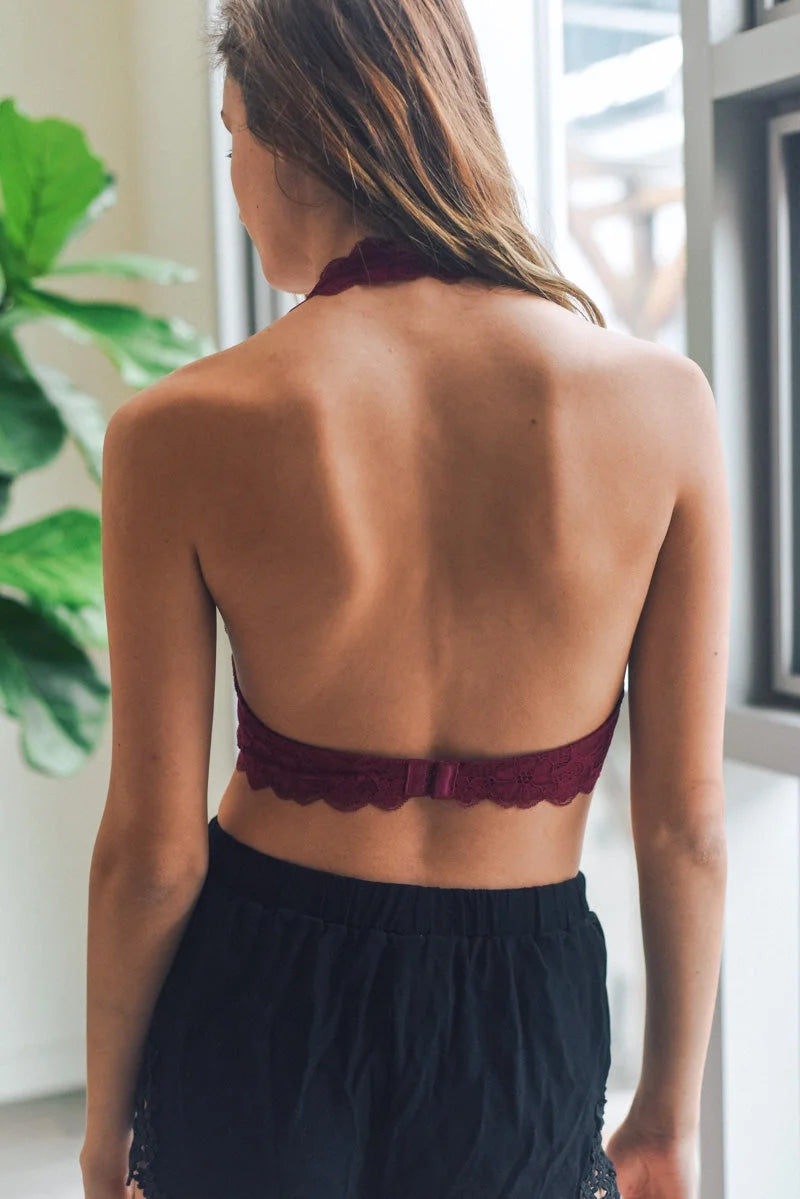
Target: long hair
385 101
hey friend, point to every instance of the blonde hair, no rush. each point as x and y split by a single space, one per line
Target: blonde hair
386 102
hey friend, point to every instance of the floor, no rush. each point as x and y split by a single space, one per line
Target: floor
40 1141
39 1145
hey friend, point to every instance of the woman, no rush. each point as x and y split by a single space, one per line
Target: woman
440 511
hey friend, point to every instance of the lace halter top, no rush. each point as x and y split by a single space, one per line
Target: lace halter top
379 260
349 779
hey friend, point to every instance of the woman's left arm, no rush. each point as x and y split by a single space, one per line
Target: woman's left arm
134 932
151 851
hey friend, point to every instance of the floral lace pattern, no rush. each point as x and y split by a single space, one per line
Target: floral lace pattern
348 780
143 1156
379 260
600 1181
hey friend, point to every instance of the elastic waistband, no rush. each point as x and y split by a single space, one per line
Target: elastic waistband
391 906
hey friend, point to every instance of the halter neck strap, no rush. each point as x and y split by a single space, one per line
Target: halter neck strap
378 260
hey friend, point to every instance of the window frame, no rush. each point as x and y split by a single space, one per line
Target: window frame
783 379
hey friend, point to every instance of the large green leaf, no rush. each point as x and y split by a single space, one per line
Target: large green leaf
86 626
105 199
5 492
130 266
49 684
143 348
31 430
51 185
10 349
12 259
82 415
11 315
57 559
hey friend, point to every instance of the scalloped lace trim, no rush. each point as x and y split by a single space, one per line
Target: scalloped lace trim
600 1182
143 1156
348 780
348 793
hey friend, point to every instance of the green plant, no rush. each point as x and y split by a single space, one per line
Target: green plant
51 590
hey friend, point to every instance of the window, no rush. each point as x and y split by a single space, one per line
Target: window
784 210
623 128
768 10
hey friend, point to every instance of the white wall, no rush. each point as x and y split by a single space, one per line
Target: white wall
760 984
133 74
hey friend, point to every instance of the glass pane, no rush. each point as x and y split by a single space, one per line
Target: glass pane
623 128
791 152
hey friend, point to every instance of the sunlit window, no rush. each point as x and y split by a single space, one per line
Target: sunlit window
623 127
784 314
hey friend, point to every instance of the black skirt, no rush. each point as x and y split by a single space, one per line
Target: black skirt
320 1036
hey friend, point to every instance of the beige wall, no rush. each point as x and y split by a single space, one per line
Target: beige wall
133 74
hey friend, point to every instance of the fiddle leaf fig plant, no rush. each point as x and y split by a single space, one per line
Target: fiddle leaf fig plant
52 188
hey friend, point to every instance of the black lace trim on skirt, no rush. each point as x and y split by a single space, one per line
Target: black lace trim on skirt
143 1156
600 1181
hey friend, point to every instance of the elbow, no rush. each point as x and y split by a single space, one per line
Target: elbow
709 848
146 876
686 819
705 846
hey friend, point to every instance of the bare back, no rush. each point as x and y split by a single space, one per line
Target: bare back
429 519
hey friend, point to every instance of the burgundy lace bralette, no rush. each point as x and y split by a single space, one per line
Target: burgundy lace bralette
348 779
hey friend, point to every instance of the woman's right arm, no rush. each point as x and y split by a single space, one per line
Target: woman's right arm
677 678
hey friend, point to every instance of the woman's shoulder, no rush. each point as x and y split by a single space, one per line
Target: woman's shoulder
637 382
260 366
